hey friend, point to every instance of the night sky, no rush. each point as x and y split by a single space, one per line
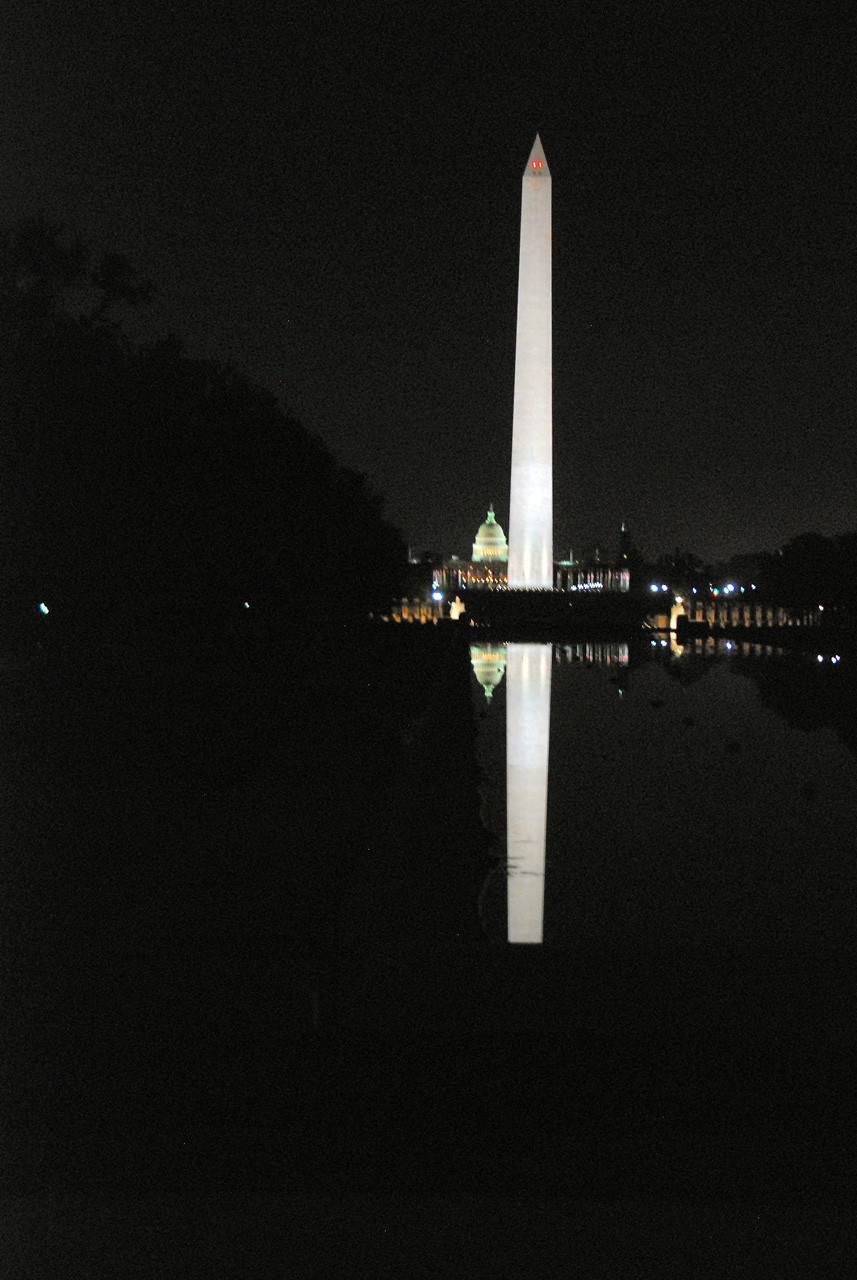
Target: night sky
329 196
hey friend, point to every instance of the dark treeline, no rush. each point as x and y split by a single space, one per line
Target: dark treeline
200 795
144 492
810 570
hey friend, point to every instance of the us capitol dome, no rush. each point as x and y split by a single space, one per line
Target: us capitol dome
490 544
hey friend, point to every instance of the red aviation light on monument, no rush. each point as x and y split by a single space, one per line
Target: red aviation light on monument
537 164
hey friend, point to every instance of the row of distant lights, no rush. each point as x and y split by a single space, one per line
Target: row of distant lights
729 645
43 608
438 595
715 591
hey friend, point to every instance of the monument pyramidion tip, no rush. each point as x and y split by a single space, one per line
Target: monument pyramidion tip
537 165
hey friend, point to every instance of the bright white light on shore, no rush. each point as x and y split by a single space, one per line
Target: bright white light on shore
44 608
437 595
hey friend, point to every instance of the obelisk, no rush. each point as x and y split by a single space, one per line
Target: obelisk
531 497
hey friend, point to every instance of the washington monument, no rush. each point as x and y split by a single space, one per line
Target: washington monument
531 496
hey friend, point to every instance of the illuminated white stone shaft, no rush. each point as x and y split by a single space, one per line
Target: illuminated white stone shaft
528 706
531 497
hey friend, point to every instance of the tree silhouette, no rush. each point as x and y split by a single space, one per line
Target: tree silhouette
141 485
812 570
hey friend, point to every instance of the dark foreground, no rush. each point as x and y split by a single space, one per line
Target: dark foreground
253 1026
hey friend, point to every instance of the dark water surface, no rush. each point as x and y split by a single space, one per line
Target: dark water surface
682 811
690 1004
263 1010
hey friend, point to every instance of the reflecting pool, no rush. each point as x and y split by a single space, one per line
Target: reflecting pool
663 802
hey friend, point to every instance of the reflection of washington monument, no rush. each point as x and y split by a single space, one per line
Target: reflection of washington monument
528 709
526 669
527 672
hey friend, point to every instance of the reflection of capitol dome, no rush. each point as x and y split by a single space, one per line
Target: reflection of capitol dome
489 665
490 541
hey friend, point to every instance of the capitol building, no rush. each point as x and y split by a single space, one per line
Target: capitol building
486 567
490 546
488 564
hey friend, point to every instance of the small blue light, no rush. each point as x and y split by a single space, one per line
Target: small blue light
664 587
653 587
246 604
437 595
44 608
821 657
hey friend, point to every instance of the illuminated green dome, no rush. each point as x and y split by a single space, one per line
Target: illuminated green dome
490 541
489 665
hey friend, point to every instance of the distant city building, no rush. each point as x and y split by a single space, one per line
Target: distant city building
487 567
490 546
592 573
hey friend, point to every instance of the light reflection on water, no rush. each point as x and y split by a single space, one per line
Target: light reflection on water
658 802
528 698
